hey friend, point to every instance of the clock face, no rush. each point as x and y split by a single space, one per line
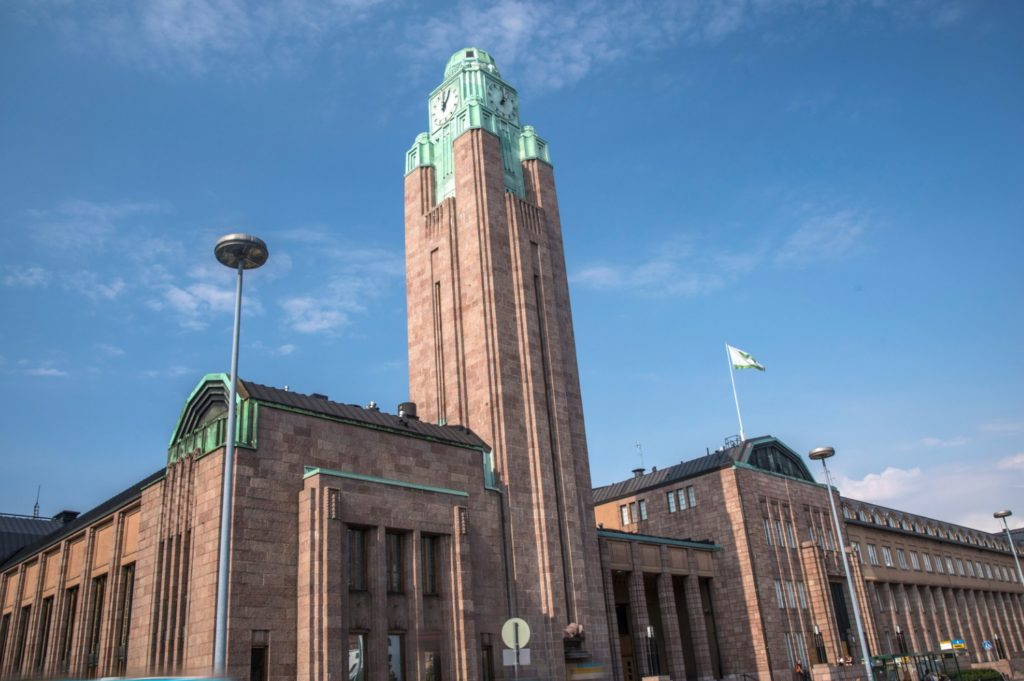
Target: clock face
502 100
444 104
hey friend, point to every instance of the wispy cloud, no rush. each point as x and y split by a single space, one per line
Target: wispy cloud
173 371
109 350
1014 462
944 442
76 225
92 286
1002 427
45 368
358 276
25 277
823 237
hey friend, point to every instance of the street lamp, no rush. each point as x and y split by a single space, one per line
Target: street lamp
239 252
820 454
1002 515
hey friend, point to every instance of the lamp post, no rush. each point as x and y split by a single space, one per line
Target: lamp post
1002 515
240 252
820 454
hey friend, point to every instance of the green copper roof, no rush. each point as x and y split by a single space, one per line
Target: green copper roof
470 57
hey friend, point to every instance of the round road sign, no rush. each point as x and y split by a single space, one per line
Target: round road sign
515 633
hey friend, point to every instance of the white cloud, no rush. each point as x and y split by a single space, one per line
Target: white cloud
822 237
169 372
25 277
284 350
89 284
109 350
673 271
354 277
1014 462
889 485
980 488
76 226
943 442
1003 427
40 368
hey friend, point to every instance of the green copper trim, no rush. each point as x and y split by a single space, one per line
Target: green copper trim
314 470
196 429
651 539
531 146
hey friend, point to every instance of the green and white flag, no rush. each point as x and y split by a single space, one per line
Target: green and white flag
743 360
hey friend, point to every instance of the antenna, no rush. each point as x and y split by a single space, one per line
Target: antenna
35 509
640 451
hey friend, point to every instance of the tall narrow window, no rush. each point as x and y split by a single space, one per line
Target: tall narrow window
887 556
356 539
22 640
5 627
357 657
914 561
643 509
768 531
624 514
258 663
634 514
124 617
428 549
43 632
396 668
692 496
393 546
99 587
671 498
872 554
67 629
927 560
902 558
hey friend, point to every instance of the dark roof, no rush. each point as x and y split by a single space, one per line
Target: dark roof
83 520
17 531
680 471
458 435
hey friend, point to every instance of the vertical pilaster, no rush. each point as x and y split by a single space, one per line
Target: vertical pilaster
641 620
670 623
608 584
698 628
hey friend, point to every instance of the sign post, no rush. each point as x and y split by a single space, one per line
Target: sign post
516 634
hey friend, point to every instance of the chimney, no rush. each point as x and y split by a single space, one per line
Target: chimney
65 517
407 410
638 472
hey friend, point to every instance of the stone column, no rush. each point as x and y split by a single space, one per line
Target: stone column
911 633
1016 640
670 624
969 618
698 628
641 620
608 579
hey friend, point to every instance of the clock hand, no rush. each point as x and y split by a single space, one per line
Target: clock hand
444 100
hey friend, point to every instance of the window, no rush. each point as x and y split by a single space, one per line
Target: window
99 588
988 571
19 643
671 498
872 554
778 594
634 514
431 664
790 594
980 570
914 562
779 537
428 551
356 537
67 632
902 558
949 566
887 556
5 626
395 667
624 514
847 513
802 592
960 568
768 531
643 509
258 663
970 569
939 565
790 534
681 496
393 551
856 549
927 560
811 535
125 616
357 657
692 496
43 632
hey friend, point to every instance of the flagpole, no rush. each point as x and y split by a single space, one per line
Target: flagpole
732 378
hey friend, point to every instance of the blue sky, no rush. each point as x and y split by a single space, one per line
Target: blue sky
834 187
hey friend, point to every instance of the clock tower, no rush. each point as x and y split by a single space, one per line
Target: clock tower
491 347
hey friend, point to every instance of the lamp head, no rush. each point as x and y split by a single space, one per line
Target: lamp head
1002 514
821 453
246 249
